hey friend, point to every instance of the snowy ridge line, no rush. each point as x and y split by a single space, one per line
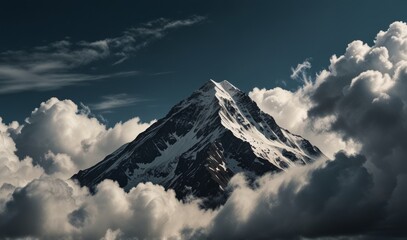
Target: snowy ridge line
201 143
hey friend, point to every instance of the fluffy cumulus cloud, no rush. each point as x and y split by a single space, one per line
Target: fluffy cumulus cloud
326 200
62 139
364 92
360 98
290 109
52 208
14 172
359 103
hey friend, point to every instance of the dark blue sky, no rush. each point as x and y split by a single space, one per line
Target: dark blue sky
249 43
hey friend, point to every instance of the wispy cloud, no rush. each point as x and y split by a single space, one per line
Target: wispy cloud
136 38
63 63
299 72
116 101
14 79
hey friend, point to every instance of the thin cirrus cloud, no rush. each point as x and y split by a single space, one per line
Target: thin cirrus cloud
58 64
116 101
14 79
299 72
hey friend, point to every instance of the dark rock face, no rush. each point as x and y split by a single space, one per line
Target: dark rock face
201 144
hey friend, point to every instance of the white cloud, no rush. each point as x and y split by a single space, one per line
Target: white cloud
116 101
112 235
146 212
16 79
363 92
59 165
362 98
14 171
51 208
62 139
290 110
299 71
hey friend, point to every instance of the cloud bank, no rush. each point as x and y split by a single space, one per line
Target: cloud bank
359 101
14 171
62 139
51 208
361 98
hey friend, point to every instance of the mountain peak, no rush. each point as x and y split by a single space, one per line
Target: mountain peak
225 85
211 88
201 143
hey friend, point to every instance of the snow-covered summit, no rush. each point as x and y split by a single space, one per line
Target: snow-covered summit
202 142
226 86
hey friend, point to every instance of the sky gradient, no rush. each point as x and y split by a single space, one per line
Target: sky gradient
249 44
80 80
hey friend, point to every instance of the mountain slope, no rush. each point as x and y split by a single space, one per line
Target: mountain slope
202 142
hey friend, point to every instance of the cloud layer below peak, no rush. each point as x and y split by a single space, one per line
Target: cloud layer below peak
359 103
